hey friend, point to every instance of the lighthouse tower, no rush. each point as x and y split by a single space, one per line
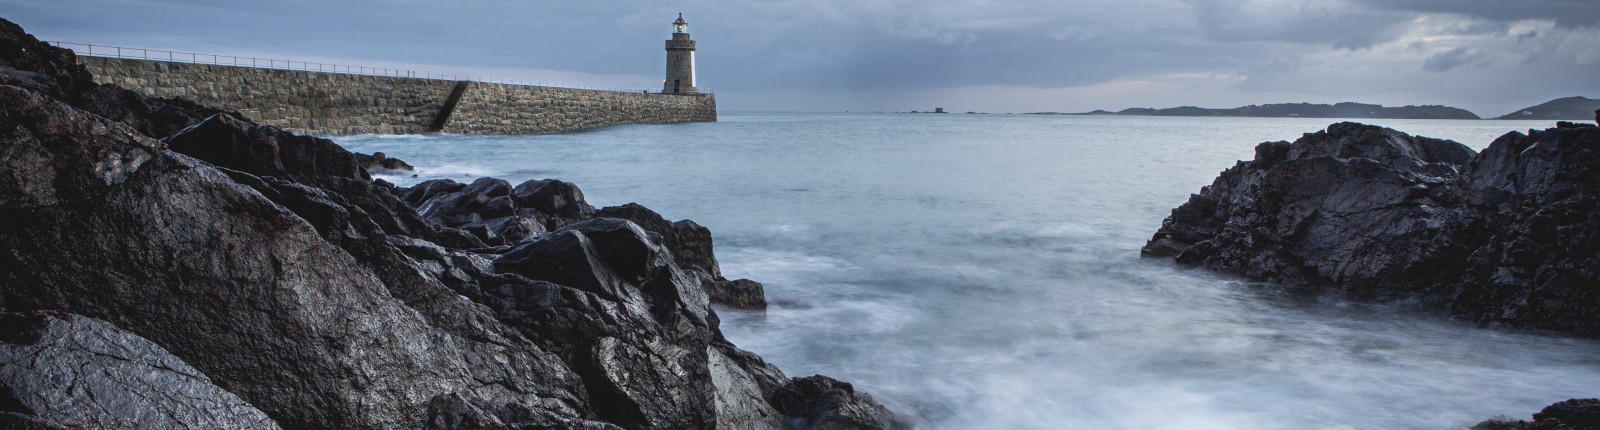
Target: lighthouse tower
680 61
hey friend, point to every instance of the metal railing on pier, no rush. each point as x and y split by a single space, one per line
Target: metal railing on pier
107 51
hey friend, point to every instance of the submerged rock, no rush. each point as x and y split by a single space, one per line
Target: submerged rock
820 402
1575 414
381 162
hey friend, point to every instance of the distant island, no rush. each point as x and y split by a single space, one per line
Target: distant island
1299 110
1577 107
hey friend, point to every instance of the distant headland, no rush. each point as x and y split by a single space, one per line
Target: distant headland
1571 108
1576 107
1299 110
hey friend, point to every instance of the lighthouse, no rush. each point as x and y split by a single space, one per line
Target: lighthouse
680 60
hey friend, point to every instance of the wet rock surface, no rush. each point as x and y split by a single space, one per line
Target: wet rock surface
1575 414
825 403
290 289
379 162
1504 237
82 373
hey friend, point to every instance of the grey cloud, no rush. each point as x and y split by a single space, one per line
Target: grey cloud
1566 13
1329 22
1447 60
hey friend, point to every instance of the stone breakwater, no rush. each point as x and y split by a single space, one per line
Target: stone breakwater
521 109
344 104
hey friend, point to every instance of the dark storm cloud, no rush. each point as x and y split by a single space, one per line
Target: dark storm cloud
1566 13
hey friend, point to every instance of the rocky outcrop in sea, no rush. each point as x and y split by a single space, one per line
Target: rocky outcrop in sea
168 265
1505 237
1575 414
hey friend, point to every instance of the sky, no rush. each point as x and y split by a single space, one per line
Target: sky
1488 56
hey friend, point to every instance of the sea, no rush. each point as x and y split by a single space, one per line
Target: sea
982 271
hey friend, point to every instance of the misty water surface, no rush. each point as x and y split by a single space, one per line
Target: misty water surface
982 271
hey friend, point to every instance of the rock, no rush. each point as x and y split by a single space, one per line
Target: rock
1575 414
78 372
247 291
820 402
264 150
38 67
1360 205
1374 213
739 293
485 210
691 247
562 201
604 282
490 187
1532 265
429 189
27 63
278 271
381 163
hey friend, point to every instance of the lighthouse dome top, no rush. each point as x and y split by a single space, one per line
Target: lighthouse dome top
680 26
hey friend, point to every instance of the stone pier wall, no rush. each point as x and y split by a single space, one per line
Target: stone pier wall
521 109
307 102
344 104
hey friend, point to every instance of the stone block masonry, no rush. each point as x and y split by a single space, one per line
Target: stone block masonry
521 109
344 104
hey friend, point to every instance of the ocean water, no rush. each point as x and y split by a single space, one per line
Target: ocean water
982 271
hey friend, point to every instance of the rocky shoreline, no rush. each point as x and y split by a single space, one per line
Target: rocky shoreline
1505 237
169 265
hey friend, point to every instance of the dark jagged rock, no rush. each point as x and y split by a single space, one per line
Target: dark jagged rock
691 247
82 373
41 68
27 63
274 268
1575 414
1502 237
1534 262
429 189
381 162
1507 236
562 202
484 209
266 151
242 288
820 402
739 293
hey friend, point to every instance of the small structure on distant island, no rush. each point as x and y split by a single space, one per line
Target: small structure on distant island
680 61
938 110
